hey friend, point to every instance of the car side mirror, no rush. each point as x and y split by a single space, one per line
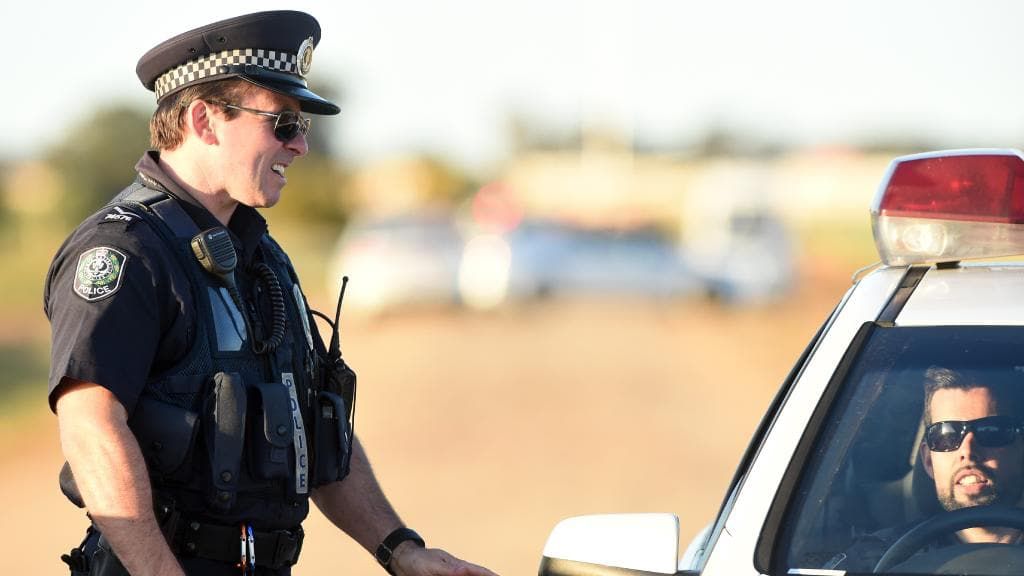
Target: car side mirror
620 544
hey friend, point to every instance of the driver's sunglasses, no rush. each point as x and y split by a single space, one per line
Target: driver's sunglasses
287 124
990 432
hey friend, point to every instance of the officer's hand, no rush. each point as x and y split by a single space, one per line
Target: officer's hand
411 560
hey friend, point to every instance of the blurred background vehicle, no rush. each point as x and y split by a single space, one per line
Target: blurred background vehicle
424 258
398 261
748 258
549 260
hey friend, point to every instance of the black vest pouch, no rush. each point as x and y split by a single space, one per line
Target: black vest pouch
271 432
225 432
333 438
69 486
166 435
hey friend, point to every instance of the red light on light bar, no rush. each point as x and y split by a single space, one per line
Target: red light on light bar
980 187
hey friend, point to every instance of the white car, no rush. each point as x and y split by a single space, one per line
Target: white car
848 472
749 259
398 261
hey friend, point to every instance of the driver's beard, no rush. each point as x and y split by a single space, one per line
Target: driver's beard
997 492
950 503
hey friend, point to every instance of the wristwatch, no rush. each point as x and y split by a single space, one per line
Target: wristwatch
387 548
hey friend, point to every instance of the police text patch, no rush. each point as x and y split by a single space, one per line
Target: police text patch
99 273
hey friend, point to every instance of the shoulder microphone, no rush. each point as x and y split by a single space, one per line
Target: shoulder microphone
216 254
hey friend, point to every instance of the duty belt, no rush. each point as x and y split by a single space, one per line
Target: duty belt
277 548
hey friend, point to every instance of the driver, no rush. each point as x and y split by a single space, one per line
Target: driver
973 451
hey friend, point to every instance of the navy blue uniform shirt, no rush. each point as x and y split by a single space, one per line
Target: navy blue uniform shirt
120 305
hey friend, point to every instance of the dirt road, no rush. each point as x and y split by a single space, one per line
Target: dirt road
486 429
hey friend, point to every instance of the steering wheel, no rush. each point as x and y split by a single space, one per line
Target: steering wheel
945 523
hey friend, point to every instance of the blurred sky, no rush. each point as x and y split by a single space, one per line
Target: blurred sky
442 76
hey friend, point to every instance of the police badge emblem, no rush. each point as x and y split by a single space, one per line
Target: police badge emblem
99 273
305 56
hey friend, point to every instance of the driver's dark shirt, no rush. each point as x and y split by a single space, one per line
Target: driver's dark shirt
867 550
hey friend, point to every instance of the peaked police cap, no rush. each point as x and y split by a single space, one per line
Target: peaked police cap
273 50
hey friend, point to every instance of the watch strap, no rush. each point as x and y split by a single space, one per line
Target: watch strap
385 551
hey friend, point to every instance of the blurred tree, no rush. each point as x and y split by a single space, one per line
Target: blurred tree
448 183
5 212
900 145
528 133
315 191
722 139
403 184
97 157
30 190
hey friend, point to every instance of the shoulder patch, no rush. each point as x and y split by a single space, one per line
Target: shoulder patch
118 214
99 273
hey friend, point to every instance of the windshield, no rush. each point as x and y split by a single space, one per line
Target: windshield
927 420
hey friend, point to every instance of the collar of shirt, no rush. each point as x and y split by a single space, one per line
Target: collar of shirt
246 226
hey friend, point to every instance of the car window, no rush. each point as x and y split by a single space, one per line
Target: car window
865 482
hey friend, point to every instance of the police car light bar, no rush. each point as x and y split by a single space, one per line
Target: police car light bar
950 205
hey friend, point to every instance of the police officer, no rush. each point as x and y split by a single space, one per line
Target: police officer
199 409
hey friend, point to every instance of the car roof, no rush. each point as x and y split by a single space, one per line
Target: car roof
974 294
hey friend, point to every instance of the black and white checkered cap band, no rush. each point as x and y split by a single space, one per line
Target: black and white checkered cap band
207 66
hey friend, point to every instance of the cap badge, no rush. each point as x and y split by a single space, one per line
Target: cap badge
305 56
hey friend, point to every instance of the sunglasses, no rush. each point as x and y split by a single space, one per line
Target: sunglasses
991 432
287 124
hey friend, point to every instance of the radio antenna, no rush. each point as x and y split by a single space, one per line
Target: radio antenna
336 339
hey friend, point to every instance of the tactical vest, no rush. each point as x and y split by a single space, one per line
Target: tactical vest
231 435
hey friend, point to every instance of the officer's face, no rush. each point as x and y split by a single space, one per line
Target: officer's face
255 163
973 475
